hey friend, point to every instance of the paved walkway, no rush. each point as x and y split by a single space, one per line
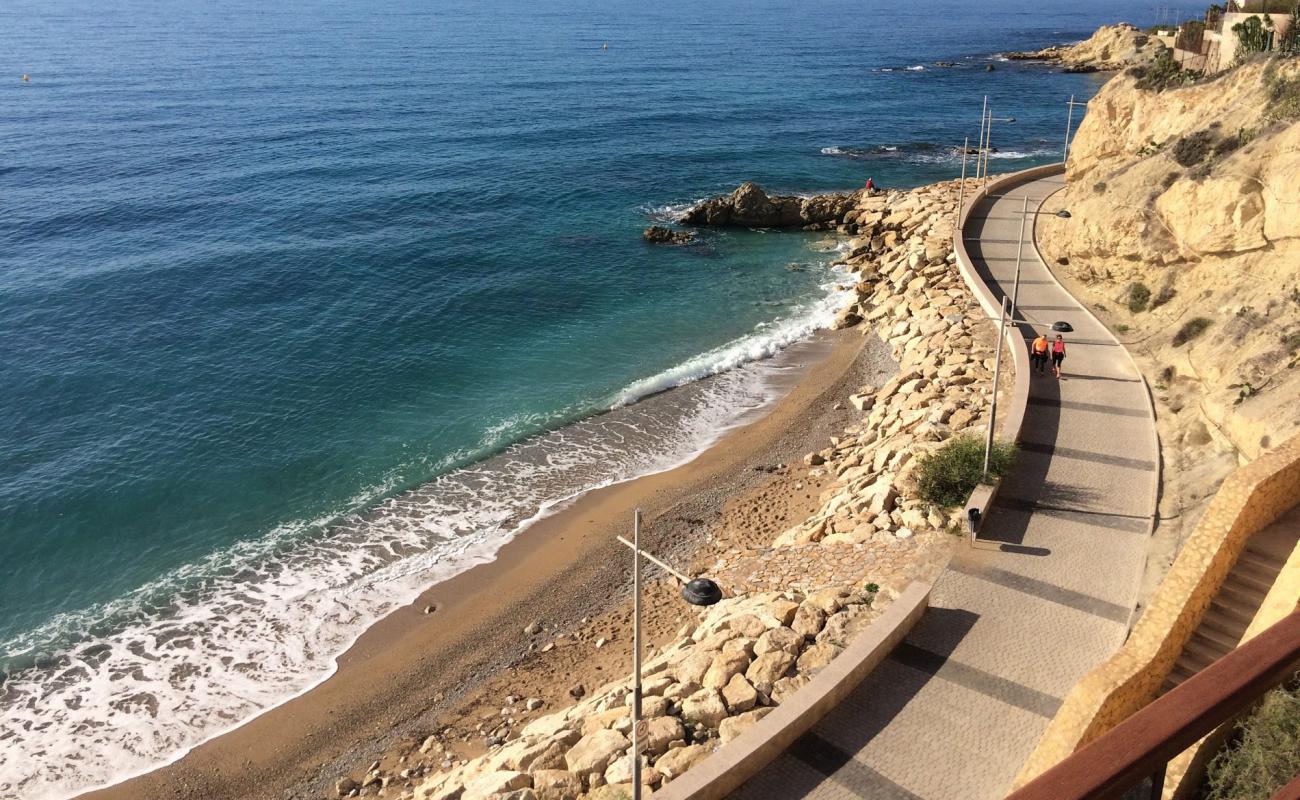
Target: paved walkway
1013 624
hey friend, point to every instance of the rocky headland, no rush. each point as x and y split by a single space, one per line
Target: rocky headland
1110 48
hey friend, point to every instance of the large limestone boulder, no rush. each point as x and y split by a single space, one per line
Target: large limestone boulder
705 707
675 762
723 667
556 784
661 732
498 782
1217 215
734 726
769 668
750 206
594 751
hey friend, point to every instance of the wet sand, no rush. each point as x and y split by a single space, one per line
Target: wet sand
414 673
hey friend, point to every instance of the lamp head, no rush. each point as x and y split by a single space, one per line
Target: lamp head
701 592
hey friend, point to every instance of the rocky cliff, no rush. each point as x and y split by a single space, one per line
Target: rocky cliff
1112 47
1185 234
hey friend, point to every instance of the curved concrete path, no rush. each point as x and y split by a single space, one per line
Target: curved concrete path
1015 621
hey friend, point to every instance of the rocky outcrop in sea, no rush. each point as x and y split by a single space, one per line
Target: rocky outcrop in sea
751 207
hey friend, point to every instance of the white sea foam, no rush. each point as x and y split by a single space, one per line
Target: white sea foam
916 68
202 650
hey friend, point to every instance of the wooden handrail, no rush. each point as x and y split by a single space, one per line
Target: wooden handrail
1289 792
1141 745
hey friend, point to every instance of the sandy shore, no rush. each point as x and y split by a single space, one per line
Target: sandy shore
415 673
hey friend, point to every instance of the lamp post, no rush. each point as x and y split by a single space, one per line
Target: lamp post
1069 118
988 139
961 191
1002 327
697 592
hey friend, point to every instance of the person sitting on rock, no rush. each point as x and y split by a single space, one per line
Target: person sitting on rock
1038 354
871 187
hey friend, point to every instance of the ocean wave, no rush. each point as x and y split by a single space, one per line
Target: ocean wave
200 651
669 212
767 340
924 153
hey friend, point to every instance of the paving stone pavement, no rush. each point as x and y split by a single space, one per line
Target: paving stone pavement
1014 621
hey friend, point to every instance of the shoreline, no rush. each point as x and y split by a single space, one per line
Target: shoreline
382 692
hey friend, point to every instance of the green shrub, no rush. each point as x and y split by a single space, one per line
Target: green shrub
1163 296
1266 754
1163 73
1192 149
948 475
1191 329
1283 99
1138 297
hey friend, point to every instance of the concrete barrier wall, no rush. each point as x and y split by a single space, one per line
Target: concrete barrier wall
1251 499
743 757
1014 415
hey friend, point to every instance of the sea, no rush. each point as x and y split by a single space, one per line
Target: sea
308 305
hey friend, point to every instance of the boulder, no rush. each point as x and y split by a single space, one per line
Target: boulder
594 751
739 695
658 234
734 726
751 207
808 621
659 733
498 782
556 784
781 638
817 657
769 668
725 665
675 762
704 707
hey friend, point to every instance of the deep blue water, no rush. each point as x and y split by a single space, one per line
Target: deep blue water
262 267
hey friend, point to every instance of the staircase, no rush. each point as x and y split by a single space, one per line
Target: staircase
1238 600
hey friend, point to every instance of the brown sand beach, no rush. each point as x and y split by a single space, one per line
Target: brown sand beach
416 672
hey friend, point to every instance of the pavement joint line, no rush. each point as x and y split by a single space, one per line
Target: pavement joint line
1129 523
1078 405
1046 590
975 679
828 759
1088 455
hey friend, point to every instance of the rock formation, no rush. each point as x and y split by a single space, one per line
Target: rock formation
751 207
1111 47
658 234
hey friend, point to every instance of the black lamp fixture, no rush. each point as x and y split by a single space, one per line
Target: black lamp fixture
701 592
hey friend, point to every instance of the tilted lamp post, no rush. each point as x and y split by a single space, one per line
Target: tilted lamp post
697 592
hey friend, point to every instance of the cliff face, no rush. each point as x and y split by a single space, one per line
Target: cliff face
1185 233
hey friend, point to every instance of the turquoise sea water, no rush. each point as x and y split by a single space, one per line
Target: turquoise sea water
301 305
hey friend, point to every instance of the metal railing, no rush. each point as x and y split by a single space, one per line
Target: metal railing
1140 746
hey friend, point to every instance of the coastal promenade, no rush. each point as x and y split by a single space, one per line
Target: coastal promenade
1048 591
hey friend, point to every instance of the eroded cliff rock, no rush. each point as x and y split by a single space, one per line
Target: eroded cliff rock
1112 47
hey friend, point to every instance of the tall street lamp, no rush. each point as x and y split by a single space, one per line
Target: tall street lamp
697 592
1069 118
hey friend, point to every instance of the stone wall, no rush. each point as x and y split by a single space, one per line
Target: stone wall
1251 498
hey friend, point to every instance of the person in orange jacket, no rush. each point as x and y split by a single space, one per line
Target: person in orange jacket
1038 354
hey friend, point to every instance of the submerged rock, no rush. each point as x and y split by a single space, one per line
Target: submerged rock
658 234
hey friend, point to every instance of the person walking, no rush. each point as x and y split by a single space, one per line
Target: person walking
1038 354
1058 355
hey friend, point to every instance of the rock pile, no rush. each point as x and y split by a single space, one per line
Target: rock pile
751 207
745 657
911 294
